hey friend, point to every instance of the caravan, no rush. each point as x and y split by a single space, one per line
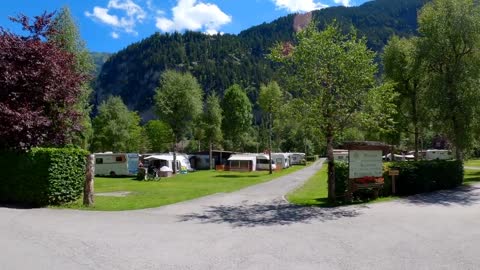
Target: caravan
115 164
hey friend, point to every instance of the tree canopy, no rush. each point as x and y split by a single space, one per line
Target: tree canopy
39 87
116 128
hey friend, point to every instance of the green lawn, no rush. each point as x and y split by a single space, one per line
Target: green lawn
313 192
146 194
473 163
471 176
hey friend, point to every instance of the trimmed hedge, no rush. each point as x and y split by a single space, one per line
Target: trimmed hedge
42 176
415 176
426 176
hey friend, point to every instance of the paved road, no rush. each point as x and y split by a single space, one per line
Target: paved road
251 229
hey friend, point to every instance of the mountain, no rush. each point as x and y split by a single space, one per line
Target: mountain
219 61
98 60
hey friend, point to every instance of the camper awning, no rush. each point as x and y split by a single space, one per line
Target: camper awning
235 157
160 157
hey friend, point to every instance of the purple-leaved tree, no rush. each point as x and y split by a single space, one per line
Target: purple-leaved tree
39 87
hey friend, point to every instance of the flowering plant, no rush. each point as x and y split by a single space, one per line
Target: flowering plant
369 179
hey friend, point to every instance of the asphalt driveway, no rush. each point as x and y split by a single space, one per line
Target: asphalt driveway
251 229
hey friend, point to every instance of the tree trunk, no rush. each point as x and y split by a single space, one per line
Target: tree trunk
270 145
416 142
88 188
415 119
331 168
210 154
174 165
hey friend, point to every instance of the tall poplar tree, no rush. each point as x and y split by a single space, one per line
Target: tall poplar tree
67 37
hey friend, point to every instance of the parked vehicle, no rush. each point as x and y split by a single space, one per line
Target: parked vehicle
282 160
296 158
433 154
263 162
242 162
340 155
160 160
116 164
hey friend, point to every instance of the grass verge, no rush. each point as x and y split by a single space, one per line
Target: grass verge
472 163
172 190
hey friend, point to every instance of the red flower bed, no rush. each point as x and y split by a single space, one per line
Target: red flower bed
369 180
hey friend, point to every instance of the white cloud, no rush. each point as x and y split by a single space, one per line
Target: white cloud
343 2
300 5
115 35
133 14
194 15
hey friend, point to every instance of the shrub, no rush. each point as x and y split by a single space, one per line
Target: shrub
341 177
42 176
415 176
425 176
312 158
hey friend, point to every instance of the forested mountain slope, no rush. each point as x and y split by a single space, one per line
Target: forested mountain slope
219 61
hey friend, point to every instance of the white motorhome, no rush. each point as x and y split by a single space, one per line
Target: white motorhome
282 160
161 160
438 154
115 164
263 162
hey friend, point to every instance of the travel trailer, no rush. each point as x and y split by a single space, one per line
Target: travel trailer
115 164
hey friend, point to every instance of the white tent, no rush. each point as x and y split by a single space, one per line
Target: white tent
167 160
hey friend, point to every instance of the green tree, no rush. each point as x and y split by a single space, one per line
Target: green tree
237 111
178 102
270 99
67 37
334 72
402 64
159 136
449 45
212 121
116 128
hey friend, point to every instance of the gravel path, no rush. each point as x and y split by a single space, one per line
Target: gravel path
251 229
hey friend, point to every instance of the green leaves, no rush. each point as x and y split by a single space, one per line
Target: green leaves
178 101
237 111
116 128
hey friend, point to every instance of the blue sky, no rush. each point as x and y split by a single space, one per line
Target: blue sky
110 25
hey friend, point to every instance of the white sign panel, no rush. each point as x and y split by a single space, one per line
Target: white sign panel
365 163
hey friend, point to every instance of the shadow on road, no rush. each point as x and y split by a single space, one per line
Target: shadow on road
465 195
269 214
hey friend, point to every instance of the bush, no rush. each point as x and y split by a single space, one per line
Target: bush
341 177
415 176
42 176
312 158
425 176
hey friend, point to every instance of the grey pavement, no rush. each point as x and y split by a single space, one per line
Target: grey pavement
251 229
472 168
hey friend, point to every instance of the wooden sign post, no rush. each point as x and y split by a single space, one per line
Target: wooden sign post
393 173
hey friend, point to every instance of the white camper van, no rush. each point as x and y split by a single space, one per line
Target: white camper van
263 162
115 164
282 160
